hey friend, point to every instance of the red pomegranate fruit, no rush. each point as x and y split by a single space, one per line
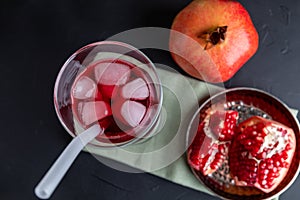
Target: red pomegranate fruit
260 153
210 146
217 37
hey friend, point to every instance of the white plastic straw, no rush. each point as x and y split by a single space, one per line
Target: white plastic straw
54 175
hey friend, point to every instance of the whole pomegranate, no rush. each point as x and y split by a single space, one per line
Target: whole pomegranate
212 39
261 153
210 146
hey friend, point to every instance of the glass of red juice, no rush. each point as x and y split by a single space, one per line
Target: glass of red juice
113 84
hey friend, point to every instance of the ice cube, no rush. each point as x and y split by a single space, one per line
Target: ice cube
84 88
132 112
93 111
136 89
112 73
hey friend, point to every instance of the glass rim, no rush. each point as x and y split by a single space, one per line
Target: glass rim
149 64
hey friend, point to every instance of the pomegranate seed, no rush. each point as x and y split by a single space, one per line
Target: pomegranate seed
261 155
263 165
262 176
255 150
254 133
285 164
269 161
221 149
277 163
263 182
275 169
288 147
266 171
248 142
259 139
219 156
270 179
284 132
270 166
284 155
215 164
270 184
276 174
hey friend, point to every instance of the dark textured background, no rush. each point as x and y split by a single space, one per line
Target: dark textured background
36 37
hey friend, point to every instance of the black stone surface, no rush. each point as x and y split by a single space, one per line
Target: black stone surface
36 37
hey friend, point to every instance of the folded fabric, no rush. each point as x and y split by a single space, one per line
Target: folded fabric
164 154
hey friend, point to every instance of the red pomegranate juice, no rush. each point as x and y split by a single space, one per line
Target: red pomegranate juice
117 95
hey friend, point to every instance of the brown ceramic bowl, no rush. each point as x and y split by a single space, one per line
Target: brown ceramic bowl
260 103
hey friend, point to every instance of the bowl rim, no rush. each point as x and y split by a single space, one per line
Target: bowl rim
255 90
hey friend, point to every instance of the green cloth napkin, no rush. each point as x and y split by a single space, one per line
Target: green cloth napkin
163 154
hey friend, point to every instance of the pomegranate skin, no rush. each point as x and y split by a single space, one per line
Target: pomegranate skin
191 50
261 153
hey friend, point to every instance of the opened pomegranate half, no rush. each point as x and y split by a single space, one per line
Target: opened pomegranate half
261 153
210 146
